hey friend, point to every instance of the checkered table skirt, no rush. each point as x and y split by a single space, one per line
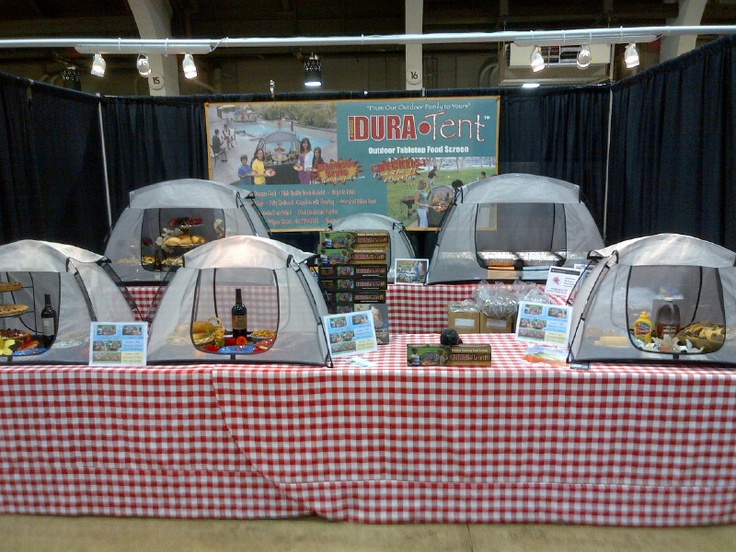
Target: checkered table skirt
515 442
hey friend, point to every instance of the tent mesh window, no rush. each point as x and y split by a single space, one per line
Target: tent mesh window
514 235
694 292
20 315
166 234
215 297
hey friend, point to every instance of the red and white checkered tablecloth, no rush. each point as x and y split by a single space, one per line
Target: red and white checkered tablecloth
630 445
423 309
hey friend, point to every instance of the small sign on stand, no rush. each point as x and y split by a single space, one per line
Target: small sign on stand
547 328
411 271
118 343
350 333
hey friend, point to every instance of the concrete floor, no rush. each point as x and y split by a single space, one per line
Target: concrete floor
92 534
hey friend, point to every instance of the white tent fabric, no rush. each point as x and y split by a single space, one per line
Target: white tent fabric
455 257
279 290
401 247
636 275
80 288
240 217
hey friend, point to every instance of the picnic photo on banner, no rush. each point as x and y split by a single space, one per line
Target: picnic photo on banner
312 163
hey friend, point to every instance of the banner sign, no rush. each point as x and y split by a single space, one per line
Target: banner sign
311 163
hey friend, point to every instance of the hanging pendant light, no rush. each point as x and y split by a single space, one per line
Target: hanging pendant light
313 72
631 56
584 57
143 65
536 60
98 66
188 66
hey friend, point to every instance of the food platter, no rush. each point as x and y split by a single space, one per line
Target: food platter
12 309
74 340
10 286
237 349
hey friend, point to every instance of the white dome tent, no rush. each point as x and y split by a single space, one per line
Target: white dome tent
281 294
81 289
643 274
511 221
136 239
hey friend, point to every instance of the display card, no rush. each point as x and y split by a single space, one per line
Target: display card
118 343
543 323
350 333
411 271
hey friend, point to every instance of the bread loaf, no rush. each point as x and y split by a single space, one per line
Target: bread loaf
202 326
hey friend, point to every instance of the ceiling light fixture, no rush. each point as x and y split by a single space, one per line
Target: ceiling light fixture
190 69
536 60
584 57
313 72
98 66
631 56
143 65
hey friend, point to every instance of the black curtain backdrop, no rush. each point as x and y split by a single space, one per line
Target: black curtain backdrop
52 165
670 167
560 133
149 140
673 149
72 200
19 184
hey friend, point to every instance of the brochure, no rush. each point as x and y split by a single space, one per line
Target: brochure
350 333
118 343
543 323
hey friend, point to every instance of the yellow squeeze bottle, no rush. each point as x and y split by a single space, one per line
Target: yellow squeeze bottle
643 327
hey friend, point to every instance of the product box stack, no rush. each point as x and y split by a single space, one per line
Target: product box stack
353 274
466 317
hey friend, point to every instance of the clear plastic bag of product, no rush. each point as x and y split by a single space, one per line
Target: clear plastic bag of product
495 300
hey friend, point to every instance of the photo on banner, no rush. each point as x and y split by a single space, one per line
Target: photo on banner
311 163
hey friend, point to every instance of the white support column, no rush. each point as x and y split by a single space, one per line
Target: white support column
414 15
153 18
690 14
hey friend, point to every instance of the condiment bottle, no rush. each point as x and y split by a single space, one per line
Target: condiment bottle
667 320
643 327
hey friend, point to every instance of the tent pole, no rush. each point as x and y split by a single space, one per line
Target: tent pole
608 165
104 165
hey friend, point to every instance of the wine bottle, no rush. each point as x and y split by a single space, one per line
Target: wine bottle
48 322
240 316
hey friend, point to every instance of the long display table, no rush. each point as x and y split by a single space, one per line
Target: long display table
514 442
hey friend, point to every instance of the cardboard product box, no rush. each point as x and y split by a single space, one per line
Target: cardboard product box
369 256
345 297
370 284
372 239
495 325
327 271
355 239
334 256
427 354
463 321
476 355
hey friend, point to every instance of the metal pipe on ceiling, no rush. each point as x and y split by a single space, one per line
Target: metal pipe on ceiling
204 46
